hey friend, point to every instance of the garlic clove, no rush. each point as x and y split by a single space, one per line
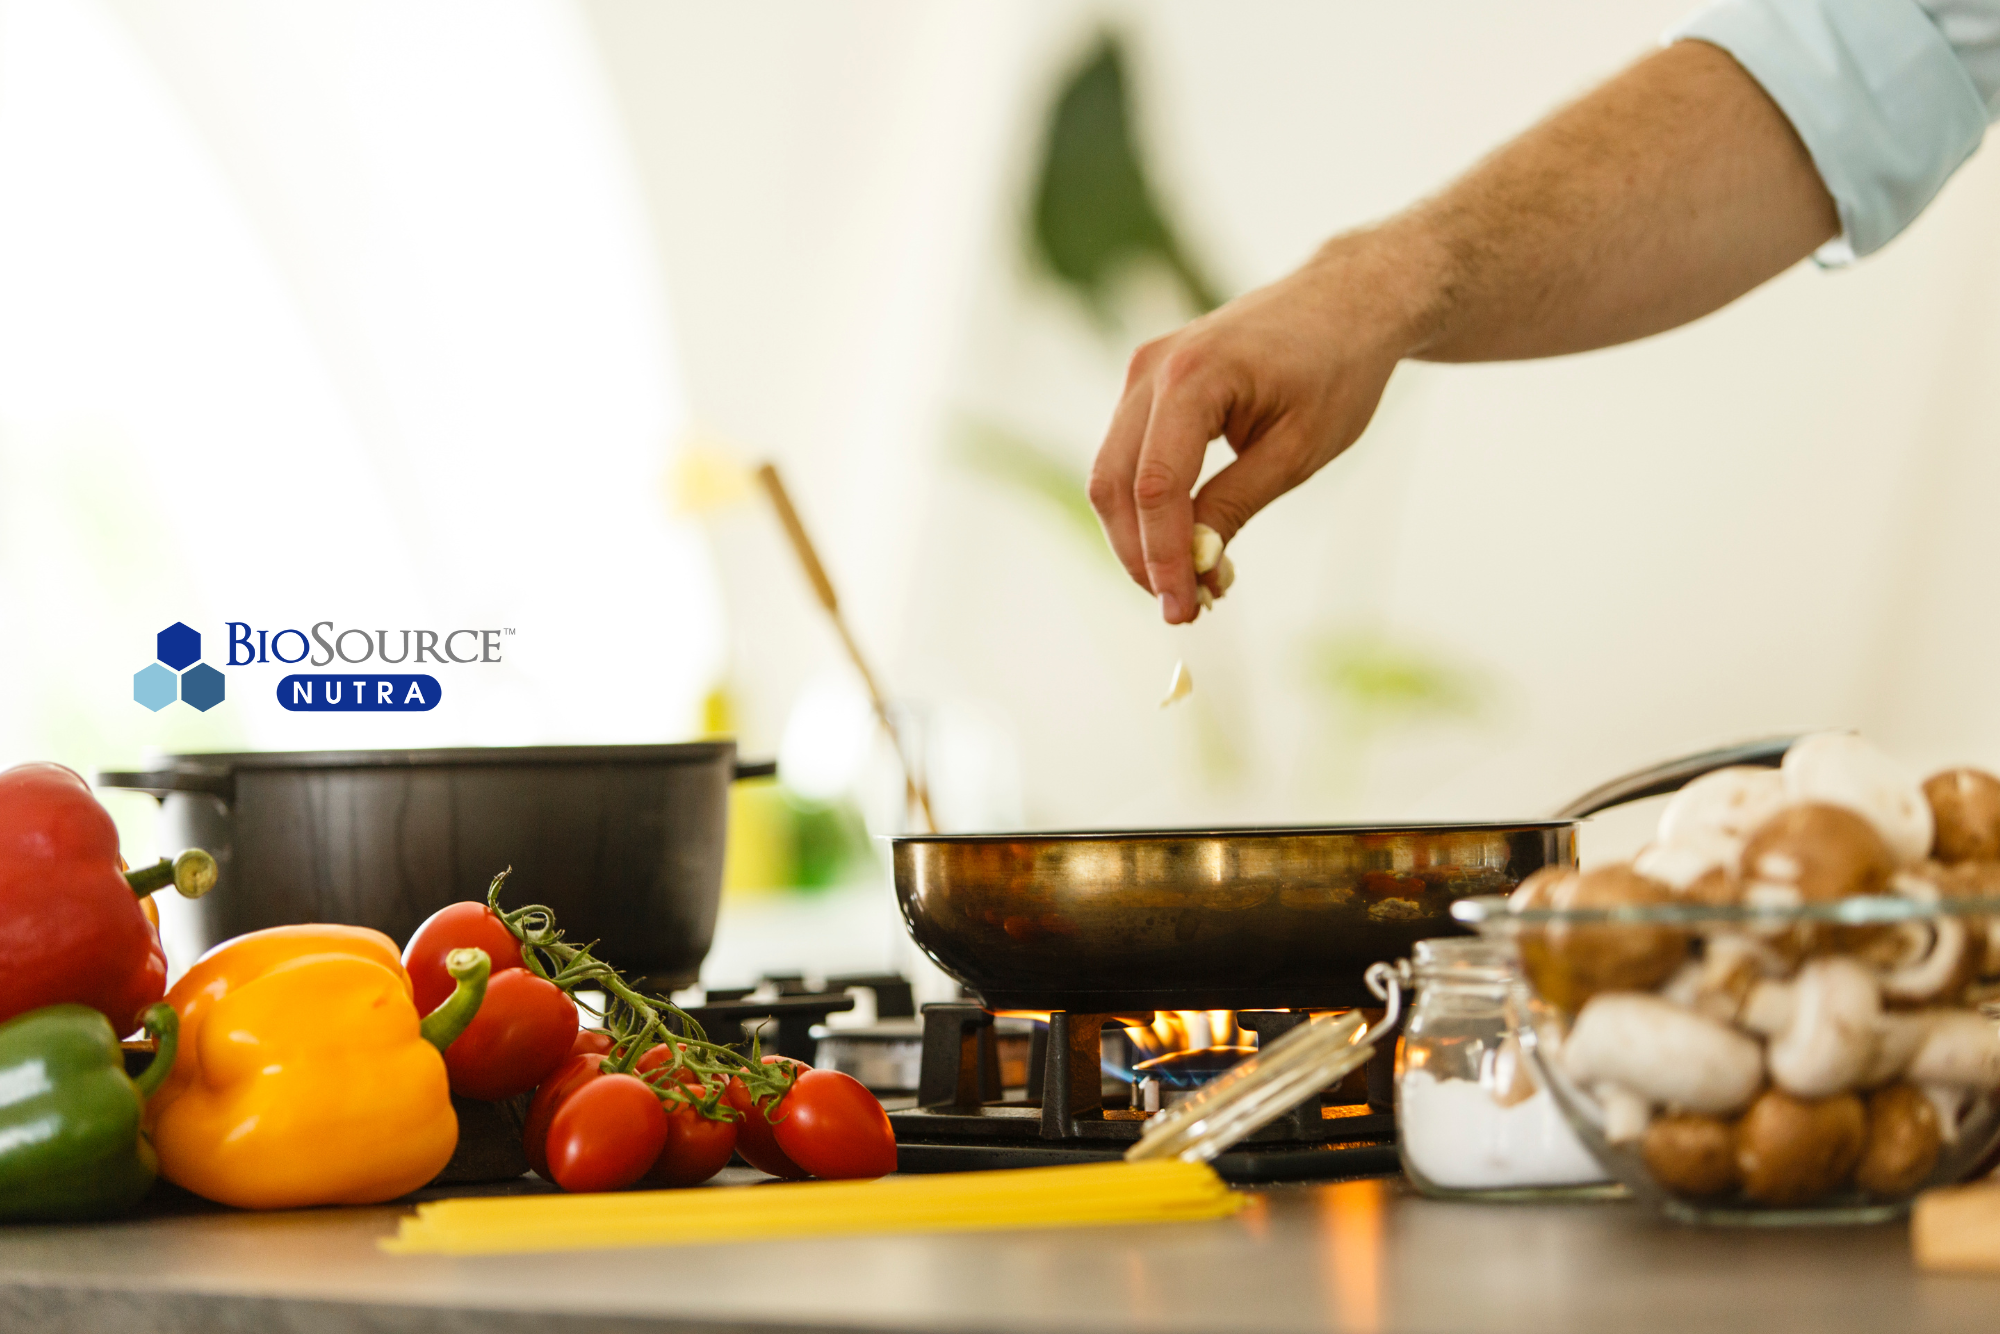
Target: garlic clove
1225 574
1180 687
1207 548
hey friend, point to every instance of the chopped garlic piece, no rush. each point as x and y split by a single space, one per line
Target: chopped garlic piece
1207 548
1181 687
1204 597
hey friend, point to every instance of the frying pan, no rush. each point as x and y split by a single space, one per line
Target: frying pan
1255 918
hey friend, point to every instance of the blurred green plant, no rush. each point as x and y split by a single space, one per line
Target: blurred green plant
1035 471
1094 212
832 842
1377 683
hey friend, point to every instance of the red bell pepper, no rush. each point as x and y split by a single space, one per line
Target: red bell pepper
71 924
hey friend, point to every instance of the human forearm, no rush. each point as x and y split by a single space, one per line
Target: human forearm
1659 197
1670 191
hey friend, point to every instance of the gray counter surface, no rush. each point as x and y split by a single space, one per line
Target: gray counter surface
1358 1256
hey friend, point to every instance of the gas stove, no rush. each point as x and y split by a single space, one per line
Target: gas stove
964 1119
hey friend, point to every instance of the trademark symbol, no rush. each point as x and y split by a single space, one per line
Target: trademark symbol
506 629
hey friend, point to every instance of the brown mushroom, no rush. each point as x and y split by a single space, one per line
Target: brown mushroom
1903 1142
1814 853
1569 964
1965 804
1692 1155
1539 889
1793 1151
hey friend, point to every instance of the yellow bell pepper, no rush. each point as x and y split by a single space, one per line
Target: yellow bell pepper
306 1076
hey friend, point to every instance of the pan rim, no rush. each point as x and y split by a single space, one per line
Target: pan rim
1235 831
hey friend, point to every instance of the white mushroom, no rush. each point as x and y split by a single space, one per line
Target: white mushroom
1841 769
1961 1049
1718 983
1683 864
1897 1038
1822 1026
1957 1062
1669 1056
1950 1104
1928 960
1725 805
1626 1114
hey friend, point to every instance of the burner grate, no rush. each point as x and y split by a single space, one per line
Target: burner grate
963 1120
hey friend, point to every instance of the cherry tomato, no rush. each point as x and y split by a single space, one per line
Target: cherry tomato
697 1148
570 1076
754 1140
606 1134
832 1126
525 1028
467 925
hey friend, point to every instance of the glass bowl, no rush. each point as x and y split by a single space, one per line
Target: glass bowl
1765 1065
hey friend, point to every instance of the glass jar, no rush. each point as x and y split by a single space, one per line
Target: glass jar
1470 1120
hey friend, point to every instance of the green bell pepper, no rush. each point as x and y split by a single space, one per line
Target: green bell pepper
71 1142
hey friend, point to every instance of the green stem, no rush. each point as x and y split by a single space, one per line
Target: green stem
165 1026
192 874
637 1022
470 968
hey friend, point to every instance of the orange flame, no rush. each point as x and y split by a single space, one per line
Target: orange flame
1187 1030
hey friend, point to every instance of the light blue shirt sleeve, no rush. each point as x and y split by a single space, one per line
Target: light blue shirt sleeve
1889 96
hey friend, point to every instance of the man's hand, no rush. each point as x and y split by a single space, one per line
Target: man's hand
1670 191
1289 375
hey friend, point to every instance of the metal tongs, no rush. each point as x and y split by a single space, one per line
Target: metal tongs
1259 1089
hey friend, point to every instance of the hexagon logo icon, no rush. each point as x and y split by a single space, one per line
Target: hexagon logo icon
201 687
156 687
179 646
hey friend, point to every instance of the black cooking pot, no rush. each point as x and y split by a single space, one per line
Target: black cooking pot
625 843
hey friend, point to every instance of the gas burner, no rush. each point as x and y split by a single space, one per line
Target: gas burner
964 1121
1162 1081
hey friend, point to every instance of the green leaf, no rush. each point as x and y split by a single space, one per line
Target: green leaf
1094 212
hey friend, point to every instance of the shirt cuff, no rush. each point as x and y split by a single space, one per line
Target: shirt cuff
1873 89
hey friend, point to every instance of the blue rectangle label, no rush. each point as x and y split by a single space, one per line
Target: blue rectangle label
359 692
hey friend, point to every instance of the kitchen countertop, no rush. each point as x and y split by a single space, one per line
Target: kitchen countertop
1356 1256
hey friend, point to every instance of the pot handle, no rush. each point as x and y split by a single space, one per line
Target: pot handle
164 782
755 769
1673 775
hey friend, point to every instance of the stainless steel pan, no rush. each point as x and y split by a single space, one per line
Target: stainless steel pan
1111 922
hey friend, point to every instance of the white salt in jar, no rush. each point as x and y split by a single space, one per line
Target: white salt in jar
1470 1121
